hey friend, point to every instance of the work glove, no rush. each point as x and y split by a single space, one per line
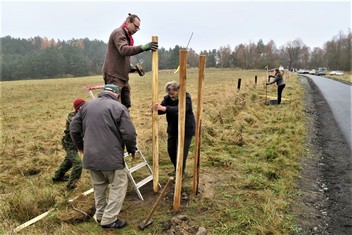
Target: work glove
150 46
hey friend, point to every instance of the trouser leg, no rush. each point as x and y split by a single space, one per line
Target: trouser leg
172 149
100 185
124 87
187 144
63 168
279 93
76 166
118 188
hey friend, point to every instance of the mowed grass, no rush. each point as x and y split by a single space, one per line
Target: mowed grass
250 154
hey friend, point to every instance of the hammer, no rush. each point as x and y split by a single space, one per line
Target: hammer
148 221
140 69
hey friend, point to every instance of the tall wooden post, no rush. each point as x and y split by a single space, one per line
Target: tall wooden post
155 118
181 128
198 134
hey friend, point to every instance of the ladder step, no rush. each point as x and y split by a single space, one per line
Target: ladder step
144 181
136 167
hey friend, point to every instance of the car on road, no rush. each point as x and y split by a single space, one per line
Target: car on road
320 71
336 73
303 71
312 72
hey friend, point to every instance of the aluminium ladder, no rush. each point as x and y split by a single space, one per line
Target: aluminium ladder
132 168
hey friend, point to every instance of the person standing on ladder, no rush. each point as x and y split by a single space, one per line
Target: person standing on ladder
107 128
117 59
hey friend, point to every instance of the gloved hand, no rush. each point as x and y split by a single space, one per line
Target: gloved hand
150 46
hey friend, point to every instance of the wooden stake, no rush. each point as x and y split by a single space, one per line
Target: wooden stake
181 128
155 119
198 134
32 221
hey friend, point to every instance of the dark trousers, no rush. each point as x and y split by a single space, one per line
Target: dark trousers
172 150
279 93
124 87
72 160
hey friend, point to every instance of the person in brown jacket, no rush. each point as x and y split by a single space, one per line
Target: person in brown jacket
117 59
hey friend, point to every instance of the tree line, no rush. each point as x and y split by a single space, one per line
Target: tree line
38 58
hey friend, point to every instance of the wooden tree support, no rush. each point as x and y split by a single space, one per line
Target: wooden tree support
155 118
181 128
198 134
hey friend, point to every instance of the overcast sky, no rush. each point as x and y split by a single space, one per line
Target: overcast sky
213 23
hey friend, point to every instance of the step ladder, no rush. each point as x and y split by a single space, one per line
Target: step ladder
138 164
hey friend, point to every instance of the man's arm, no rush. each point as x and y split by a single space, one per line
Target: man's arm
128 132
76 132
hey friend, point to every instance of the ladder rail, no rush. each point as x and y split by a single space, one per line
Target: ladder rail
132 169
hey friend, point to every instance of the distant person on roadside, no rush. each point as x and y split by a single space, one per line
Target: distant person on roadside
280 82
107 128
169 106
117 59
72 159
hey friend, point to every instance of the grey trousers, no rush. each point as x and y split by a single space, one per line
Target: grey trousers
108 205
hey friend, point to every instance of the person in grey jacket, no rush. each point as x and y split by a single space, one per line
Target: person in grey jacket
280 82
107 129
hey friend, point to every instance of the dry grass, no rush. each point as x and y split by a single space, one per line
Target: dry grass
250 154
347 77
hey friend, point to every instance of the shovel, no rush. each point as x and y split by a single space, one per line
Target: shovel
148 221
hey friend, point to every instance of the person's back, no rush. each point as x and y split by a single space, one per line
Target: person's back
107 128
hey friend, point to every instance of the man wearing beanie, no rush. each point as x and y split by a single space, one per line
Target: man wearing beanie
72 159
107 128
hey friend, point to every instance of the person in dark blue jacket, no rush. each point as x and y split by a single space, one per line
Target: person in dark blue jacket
169 106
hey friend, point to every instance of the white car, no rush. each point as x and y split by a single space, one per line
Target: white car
312 72
337 73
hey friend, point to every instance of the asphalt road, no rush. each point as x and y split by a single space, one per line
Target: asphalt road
338 97
325 205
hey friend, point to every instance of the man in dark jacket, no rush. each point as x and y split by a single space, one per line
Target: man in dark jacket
169 106
117 59
107 128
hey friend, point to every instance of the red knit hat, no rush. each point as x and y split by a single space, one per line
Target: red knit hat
78 103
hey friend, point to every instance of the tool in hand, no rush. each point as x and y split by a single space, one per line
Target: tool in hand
139 69
148 220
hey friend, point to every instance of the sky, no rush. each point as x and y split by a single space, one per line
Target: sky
214 24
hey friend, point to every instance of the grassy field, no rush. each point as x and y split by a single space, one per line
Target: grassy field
250 155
